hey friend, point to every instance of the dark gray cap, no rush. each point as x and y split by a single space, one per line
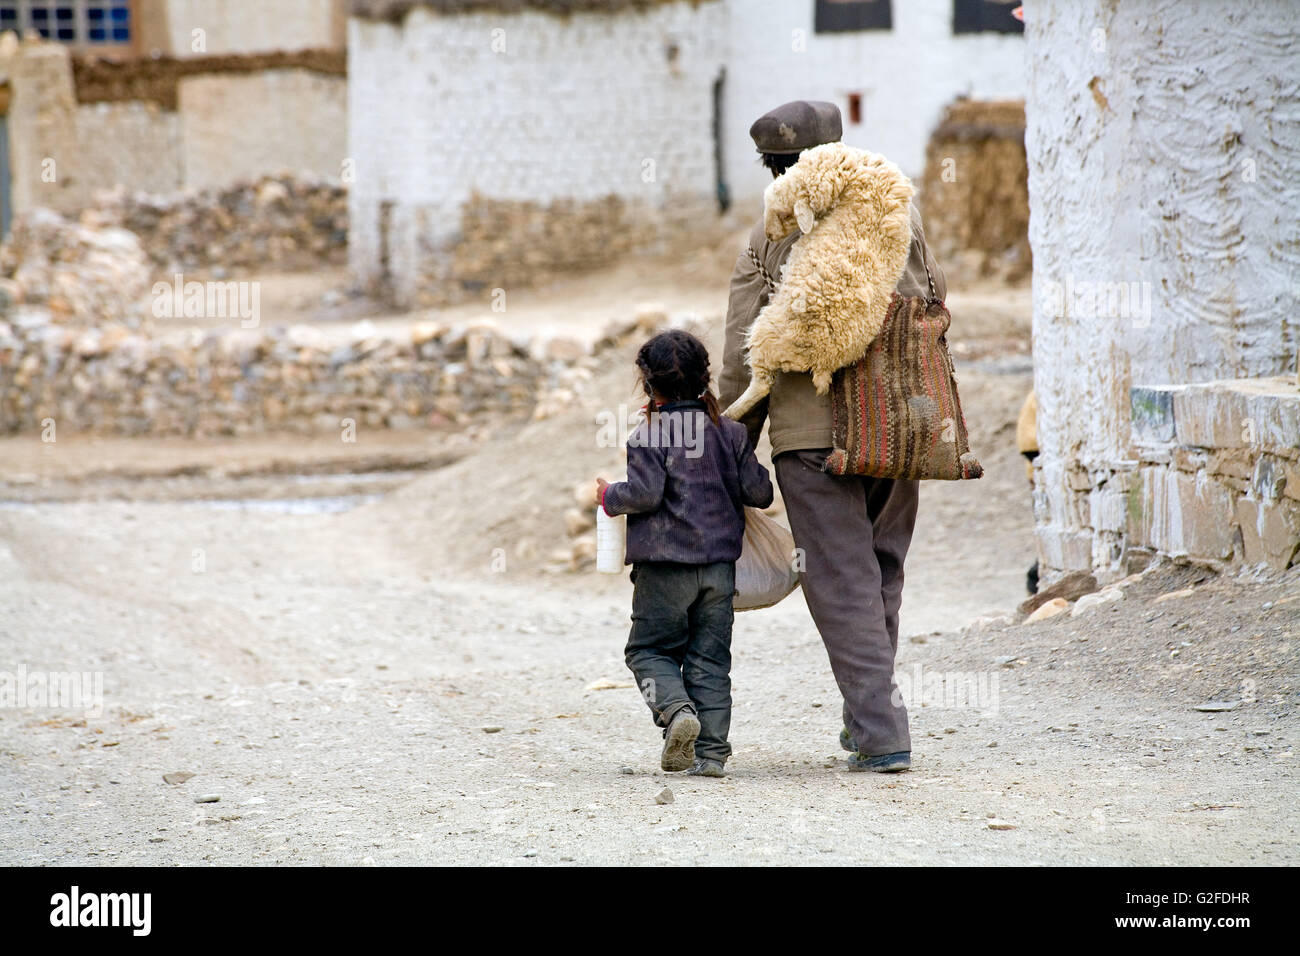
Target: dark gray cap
797 126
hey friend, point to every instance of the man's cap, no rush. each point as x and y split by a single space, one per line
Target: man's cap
794 127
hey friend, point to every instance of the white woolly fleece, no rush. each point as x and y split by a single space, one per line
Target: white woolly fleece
854 209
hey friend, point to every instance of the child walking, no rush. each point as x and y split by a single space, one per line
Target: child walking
690 473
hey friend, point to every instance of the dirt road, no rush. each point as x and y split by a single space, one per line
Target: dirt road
352 697
362 655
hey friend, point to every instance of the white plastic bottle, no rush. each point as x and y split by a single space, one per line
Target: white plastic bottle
611 542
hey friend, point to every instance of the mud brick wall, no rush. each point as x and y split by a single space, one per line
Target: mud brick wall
975 193
158 79
79 124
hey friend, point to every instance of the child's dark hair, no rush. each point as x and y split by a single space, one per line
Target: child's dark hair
676 365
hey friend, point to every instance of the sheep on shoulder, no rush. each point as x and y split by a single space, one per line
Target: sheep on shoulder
854 210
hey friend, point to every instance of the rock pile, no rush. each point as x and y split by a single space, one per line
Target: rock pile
80 273
282 222
99 269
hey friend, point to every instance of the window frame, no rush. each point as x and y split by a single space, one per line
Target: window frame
827 12
973 17
81 24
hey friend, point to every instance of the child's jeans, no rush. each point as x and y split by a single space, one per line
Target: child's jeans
679 650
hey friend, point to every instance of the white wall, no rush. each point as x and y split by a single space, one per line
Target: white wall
905 75
132 143
571 108
245 125
1163 143
575 105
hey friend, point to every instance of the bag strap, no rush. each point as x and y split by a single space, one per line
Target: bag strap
762 270
934 296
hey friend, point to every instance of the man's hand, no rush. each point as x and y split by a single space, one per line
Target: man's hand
601 485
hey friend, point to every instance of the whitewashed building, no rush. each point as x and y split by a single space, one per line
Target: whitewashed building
1163 143
497 141
891 83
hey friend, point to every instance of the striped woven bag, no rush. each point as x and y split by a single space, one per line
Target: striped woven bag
895 412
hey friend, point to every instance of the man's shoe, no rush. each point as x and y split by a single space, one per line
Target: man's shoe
883 763
679 741
706 767
847 742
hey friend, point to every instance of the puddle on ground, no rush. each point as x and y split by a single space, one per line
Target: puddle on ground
292 504
330 504
288 506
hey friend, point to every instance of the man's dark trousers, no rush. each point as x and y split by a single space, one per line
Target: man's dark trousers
679 650
854 533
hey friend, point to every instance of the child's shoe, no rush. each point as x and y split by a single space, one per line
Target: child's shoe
679 741
706 767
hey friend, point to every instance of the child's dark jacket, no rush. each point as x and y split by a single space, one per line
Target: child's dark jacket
688 481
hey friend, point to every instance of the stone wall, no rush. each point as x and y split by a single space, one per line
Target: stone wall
1214 477
72 272
1163 176
504 243
114 380
99 268
508 132
1218 475
86 339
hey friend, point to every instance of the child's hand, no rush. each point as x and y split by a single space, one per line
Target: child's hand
601 485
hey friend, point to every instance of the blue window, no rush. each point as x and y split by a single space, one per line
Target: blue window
78 22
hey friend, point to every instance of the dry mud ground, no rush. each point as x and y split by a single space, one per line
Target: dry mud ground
373 686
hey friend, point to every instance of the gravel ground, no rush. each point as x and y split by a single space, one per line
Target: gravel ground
370 687
349 707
